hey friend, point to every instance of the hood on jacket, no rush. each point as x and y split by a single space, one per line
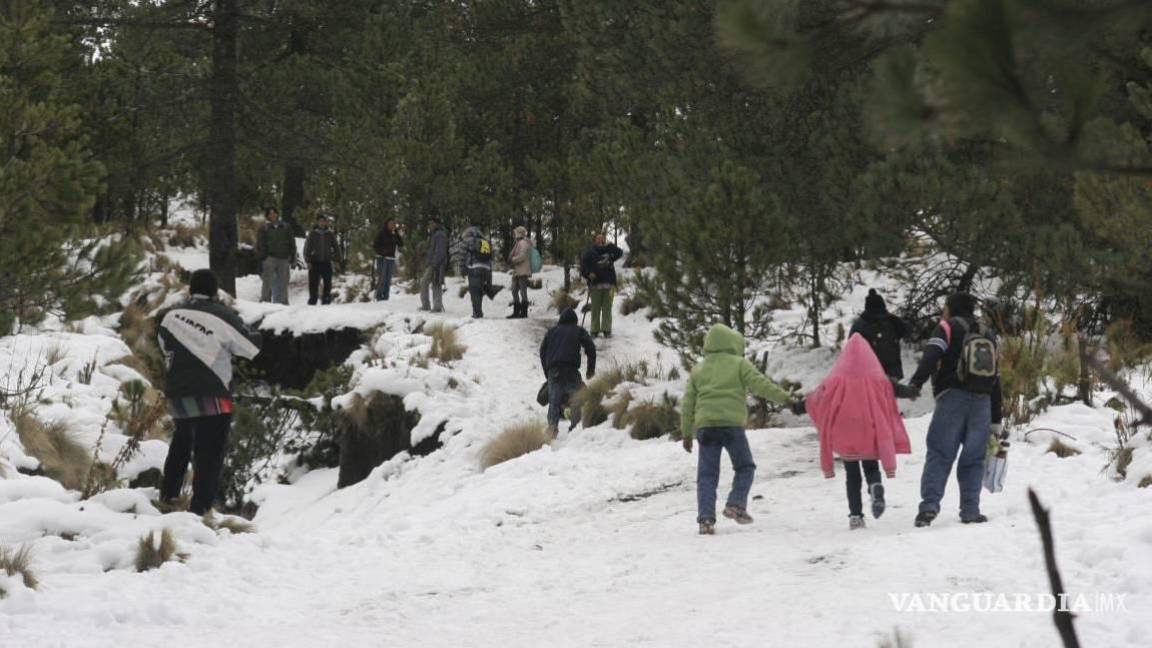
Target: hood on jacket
721 339
568 316
874 304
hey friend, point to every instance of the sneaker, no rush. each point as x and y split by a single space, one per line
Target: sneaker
978 518
738 513
855 522
708 527
876 492
924 518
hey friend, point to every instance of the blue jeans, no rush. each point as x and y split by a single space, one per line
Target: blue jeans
384 269
712 440
562 383
962 418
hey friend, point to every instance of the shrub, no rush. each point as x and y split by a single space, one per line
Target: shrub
1061 449
154 550
445 345
590 398
138 330
185 236
18 562
562 301
633 303
141 413
61 457
516 440
650 420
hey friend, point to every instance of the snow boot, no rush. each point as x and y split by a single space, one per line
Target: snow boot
924 518
515 311
738 513
524 310
978 518
707 527
855 522
876 492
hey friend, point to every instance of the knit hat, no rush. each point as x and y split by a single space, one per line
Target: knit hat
961 305
203 282
568 316
874 303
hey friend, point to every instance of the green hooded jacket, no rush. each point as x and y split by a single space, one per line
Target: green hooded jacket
718 388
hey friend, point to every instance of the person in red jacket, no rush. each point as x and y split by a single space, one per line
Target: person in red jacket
856 417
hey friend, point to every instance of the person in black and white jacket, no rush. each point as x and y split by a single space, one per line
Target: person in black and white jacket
199 338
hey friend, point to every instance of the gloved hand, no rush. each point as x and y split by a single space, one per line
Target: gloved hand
687 443
798 407
912 391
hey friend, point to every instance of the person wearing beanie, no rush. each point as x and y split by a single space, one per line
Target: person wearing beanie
560 360
883 331
199 338
276 249
320 251
961 359
521 261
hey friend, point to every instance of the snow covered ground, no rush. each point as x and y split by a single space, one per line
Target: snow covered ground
590 542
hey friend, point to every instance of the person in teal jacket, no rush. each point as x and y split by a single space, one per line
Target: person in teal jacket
715 411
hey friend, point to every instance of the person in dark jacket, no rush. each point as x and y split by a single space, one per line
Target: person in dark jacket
388 242
597 266
560 360
964 417
276 250
435 261
883 331
320 251
199 338
475 252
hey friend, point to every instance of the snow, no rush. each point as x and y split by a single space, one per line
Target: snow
588 542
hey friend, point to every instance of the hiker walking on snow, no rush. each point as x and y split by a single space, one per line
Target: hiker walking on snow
276 250
199 338
883 331
521 261
320 250
476 264
560 360
714 411
597 266
856 417
436 261
961 359
388 242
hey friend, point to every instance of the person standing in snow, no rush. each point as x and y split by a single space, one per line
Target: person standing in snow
883 331
199 338
276 250
856 417
521 261
715 411
435 262
560 360
320 250
961 360
388 242
476 264
597 266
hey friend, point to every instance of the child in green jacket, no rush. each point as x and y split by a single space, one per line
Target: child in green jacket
715 411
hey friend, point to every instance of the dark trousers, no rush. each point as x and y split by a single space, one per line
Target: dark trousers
478 287
385 268
852 473
203 440
563 382
320 271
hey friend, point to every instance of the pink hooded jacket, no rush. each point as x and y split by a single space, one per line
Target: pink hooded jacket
855 411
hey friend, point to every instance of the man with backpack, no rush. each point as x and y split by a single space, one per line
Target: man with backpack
476 264
597 266
320 251
560 360
521 260
883 331
961 358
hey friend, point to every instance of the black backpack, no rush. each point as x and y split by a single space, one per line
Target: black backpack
978 366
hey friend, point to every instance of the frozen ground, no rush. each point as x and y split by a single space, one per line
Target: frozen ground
588 543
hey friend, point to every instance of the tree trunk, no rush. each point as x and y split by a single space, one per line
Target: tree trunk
222 189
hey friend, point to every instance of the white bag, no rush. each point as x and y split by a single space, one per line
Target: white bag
995 469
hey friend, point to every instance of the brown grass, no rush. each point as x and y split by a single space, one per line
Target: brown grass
1145 482
516 440
651 420
633 303
18 562
1123 460
60 455
590 399
154 550
446 346
1062 450
185 236
562 301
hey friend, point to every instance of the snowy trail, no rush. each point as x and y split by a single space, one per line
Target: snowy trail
592 543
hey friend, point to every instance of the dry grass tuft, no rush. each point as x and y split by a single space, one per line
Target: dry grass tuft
154 550
633 303
184 236
1062 450
590 399
18 562
230 522
1145 482
446 346
562 301
60 455
516 440
651 420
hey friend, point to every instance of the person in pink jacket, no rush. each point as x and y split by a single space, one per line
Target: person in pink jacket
857 418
